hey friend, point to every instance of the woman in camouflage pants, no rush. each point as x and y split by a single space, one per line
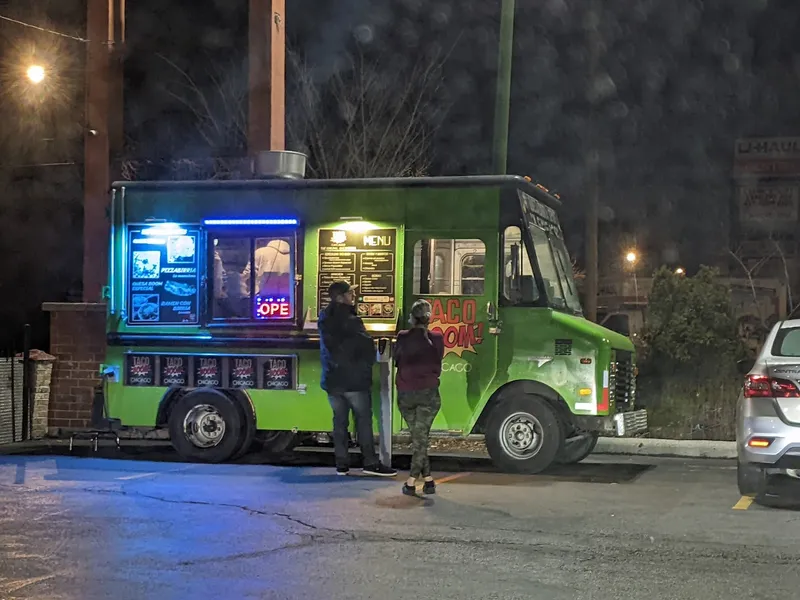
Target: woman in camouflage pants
418 355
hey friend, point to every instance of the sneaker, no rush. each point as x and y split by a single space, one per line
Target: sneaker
429 487
409 490
379 470
342 470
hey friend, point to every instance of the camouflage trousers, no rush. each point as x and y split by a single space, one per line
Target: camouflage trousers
419 408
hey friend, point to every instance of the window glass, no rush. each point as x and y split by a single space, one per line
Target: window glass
790 343
253 278
449 267
519 286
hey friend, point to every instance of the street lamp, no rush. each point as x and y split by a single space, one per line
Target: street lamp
35 74
680 271
631 258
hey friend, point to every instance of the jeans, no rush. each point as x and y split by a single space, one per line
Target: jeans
361 405
419 409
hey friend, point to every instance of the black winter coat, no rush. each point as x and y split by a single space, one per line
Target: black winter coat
347 351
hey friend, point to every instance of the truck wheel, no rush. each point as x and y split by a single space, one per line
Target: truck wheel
752 479
205 426
249 427
276 442
577 448
524 434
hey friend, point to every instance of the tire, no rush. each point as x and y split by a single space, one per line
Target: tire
524 434
206 426
249 426
752 479
277 442
577 448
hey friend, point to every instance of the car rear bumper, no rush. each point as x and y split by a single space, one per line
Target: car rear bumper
784 449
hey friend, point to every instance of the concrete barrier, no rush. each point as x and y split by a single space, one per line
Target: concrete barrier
660 447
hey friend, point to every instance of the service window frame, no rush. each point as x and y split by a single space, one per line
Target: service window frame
294 233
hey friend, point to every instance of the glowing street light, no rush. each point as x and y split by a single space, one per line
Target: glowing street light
631 257
680 271
35 74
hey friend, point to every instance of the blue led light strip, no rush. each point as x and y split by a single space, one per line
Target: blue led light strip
248 222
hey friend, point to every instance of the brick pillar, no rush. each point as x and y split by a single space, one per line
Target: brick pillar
78 341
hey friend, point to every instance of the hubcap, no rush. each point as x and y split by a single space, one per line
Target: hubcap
521 435
204 426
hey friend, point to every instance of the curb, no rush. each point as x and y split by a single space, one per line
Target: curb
660 447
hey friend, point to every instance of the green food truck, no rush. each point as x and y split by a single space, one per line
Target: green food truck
215 287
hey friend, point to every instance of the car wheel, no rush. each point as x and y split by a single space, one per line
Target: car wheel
752 479
577 448
205 426
524 434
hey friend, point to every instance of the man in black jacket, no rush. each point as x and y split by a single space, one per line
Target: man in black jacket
347 353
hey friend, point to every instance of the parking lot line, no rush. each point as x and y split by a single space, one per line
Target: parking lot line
743 503
153 474
447 478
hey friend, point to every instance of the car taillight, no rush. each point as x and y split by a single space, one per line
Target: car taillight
761 386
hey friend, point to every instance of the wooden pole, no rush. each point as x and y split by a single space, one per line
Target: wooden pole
267 75
103 134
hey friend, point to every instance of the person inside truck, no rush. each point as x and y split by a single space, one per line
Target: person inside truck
273 269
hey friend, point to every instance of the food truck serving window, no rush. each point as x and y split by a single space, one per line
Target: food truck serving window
163 274
253 277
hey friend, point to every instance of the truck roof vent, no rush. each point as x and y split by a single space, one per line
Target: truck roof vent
279 164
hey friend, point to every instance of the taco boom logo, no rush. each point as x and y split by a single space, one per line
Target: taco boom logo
456 320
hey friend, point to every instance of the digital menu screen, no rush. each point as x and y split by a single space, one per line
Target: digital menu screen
163 276
361 258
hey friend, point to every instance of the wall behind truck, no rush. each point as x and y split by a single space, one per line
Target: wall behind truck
77 340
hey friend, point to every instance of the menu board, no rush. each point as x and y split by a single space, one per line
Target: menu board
264 372
242 372
361 258
140 370
174 370
163 275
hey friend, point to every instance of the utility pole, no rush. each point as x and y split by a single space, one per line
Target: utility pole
103 127
267 76
592 164
502 107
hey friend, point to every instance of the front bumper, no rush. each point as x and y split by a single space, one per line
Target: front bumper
625 424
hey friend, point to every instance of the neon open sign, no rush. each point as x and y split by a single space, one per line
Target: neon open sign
273 308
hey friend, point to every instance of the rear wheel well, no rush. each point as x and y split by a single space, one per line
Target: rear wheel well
534 388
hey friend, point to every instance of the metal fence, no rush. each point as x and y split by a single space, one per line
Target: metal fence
15 393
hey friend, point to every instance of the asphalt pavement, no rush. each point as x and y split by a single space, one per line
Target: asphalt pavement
612 527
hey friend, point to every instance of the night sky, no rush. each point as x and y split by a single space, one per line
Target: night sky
678 82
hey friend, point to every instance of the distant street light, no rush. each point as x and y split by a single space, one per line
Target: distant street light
631 257
680 271
35 74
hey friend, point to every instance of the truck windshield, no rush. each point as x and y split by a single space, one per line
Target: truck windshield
551 254
556 270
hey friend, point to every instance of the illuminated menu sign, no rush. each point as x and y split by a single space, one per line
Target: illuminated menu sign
163 275
361 258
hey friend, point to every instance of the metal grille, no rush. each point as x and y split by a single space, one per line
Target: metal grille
624 381
11 400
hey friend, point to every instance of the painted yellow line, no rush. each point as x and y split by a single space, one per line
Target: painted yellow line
447 478
743 503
